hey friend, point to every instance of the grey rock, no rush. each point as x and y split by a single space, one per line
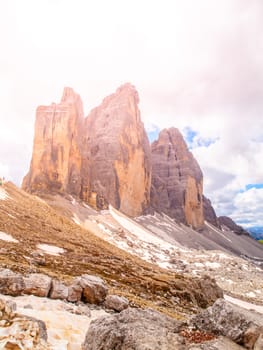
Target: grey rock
229 223
223 318
177 180
58 290
209 213
115 302
37 284
11 283
94 289
222 343
74 291
134 329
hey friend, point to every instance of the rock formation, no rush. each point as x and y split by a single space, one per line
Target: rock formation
209 212
116 161
103 159
177 180
56 159
231 225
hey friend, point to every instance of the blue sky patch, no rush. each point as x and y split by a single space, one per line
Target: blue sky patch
257 186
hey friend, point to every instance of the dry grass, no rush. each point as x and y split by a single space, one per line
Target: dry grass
31 221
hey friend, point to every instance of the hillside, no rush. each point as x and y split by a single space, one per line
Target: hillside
73 251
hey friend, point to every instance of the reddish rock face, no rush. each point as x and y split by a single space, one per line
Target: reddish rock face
177 180
103 159
56 158
116 167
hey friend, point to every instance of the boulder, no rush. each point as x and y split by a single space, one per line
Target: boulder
58 290
94 289
242 326
134 329
37 284
74 291
11 283
116 303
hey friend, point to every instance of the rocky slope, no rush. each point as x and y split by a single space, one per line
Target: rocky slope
104 158
177 180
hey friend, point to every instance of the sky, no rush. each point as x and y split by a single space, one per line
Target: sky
197 65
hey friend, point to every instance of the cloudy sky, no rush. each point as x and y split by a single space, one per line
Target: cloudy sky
197 65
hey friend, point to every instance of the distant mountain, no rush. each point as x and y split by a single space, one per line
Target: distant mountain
256 232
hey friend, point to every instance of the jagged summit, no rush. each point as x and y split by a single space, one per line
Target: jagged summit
106 159
103 159
177 180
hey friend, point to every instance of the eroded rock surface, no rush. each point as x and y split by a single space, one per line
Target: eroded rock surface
242 326
177 180
103 159
134 329
56 158
230 224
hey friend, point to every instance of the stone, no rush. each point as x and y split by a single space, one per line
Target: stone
209 213
116 303
240 325
21 332
231 225
134 329
58 290
221 343
74 291
11 283
94 289
102 159
177 180
37 284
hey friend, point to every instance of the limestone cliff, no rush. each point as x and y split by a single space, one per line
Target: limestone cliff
116 161
177 180
56 158
209 213
103 159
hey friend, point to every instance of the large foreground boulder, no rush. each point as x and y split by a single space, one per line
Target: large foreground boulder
11 283
134 329
244 327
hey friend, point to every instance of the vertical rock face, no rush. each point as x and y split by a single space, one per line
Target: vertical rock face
116 164
56 159
209 212
177 180
103 159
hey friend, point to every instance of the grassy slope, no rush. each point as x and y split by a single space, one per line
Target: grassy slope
31 221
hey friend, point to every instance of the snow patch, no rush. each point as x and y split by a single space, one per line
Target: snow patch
213 265
76 219
51 249
3 194
8 238
244 304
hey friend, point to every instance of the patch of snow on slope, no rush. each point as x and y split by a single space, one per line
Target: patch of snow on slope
137 229
8 238
244 304
76 220
3 194
51 249
66 330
